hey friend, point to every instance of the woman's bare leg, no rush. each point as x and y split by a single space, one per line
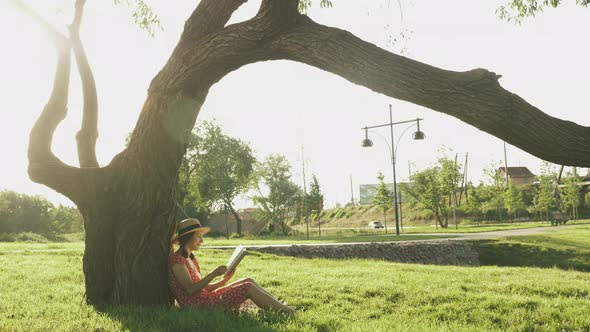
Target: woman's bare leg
260 296
253 283
265 301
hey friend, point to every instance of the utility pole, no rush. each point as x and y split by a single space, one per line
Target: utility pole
319 226
399 198
464 180
454 196
351 191
505 163
304 193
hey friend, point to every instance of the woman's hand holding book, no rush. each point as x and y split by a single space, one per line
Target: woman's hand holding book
221 269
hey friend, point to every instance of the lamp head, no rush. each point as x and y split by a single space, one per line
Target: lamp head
367 143
418 135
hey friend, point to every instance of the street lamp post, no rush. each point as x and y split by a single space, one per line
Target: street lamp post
418 135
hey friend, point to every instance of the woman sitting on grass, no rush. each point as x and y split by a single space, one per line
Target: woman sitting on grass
190 288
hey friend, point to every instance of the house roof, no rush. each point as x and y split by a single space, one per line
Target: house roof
517 172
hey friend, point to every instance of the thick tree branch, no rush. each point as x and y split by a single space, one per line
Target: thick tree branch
210 16
88 134
206 54
44 166
284 13
474 97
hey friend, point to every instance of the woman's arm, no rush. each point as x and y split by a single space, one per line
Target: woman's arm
182 275
221 282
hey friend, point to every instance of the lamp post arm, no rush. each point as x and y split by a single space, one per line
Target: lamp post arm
384 140
391 124
400 137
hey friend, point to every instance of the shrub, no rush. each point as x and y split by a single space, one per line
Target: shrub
7 237
73 237
216 234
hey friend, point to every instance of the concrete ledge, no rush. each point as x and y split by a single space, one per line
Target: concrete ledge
432 252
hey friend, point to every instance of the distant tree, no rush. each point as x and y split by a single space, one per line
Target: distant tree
450 176
66 219
426 188
513 200
26 213
315 198
276 192
570 193
222 169
437 188
383 198
474 203
449 180
493 194
544 197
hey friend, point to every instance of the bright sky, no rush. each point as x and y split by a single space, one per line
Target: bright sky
281 106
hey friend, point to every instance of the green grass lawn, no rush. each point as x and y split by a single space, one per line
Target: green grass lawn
43 290
564 247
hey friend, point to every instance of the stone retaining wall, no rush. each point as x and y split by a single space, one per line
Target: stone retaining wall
432 252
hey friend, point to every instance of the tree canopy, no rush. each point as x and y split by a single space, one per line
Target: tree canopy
275 192
215 170
518 10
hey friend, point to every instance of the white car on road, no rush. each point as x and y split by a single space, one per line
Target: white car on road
376 225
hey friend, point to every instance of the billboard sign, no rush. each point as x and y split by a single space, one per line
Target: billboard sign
368 191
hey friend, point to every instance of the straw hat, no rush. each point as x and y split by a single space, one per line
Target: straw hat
187 226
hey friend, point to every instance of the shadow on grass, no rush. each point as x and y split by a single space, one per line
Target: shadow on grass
503 253
137 318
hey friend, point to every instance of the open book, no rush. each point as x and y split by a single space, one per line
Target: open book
235 258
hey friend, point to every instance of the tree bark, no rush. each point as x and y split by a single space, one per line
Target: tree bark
128 206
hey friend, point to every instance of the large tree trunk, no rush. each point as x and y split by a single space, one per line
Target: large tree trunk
128 206
129 216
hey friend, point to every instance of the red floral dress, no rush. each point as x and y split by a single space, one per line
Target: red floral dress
224 297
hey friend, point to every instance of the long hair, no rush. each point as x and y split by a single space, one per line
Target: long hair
183 240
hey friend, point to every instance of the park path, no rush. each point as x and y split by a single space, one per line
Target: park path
497 234
441 237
